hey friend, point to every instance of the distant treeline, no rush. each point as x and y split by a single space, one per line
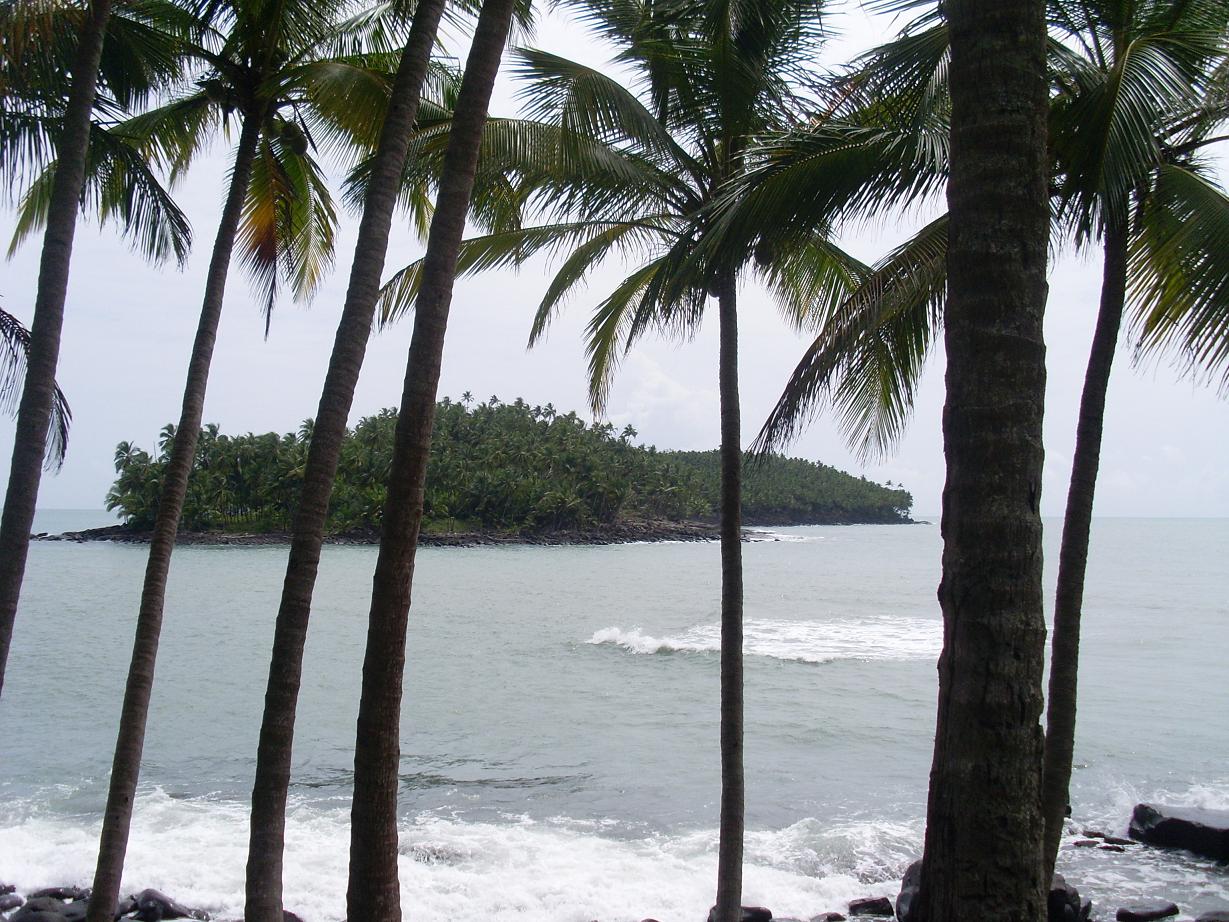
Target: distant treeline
494 466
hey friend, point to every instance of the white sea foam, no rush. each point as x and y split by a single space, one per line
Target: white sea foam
767 534
875 638
513 871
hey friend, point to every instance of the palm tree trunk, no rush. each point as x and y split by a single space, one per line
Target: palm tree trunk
730 836
984 824
39 389
273 760
126 767
374 890
1073 553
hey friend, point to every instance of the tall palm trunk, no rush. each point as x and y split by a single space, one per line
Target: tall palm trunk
374 891
38 391
269 791
1073 553
126 767
982 857
730 836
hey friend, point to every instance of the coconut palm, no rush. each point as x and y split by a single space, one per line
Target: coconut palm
327 432
1139 94
285 72
14 350
38 396
373 891
636 174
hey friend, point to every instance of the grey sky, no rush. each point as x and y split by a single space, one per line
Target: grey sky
128 333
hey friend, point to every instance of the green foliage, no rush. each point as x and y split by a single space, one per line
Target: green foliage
494 466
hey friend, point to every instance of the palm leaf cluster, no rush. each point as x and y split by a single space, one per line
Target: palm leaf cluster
14 350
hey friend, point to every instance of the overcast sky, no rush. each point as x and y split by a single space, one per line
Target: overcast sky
128 332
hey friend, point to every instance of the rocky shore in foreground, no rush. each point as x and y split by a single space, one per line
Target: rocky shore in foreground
1203 832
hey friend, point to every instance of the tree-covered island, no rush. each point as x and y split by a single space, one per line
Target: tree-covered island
507 469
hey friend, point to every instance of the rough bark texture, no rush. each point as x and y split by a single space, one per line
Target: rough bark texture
982 856
269 791
1073 553
374 890
126 767
730 845
38 390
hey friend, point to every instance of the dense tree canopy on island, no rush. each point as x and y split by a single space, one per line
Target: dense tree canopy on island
494 466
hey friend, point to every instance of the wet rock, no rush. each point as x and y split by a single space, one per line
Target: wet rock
75 912
1094 834
1085 910
154 906
1118 840
1085 843
9 901
750 914
1111 848
828 917
1204 832
7 888
63 893
1216 915
1146 912
1063 902
127 905
908 892
871 906
39 909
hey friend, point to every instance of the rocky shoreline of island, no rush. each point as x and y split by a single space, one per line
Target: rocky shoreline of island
630 532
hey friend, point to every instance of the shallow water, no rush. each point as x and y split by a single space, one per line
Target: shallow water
559 734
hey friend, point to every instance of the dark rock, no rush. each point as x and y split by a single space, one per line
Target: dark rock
1146 912
9 901
127 905
39 909
63 893
288 916
7 888
750 914
1118 840
75 912
154 906
1085 843
1204 832
1216 915
1063 902
828 917
871 906
1085 910
908 892
1111 848
1094 834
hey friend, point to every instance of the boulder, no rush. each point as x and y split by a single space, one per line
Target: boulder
1204 832
1111 848
75 912
39 909
127 905
1085 843
872 906
63 893
7 888
908 892
1063 902
9 901
750 914
1117 840
828 917
1085 910
153 906
1146 912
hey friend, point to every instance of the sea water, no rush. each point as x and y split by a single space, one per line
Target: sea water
559 732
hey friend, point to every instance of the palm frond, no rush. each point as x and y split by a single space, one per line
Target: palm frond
14 351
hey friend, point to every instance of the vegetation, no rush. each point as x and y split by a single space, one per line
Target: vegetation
507 467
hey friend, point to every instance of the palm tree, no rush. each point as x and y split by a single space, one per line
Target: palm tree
38 396
14 349
374 891
1139 95
327 432
983 818
637 177
276 66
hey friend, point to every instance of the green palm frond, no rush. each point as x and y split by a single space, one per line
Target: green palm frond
1179 273
119 187
14 351
868 357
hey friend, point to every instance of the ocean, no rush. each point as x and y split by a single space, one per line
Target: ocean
559 732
